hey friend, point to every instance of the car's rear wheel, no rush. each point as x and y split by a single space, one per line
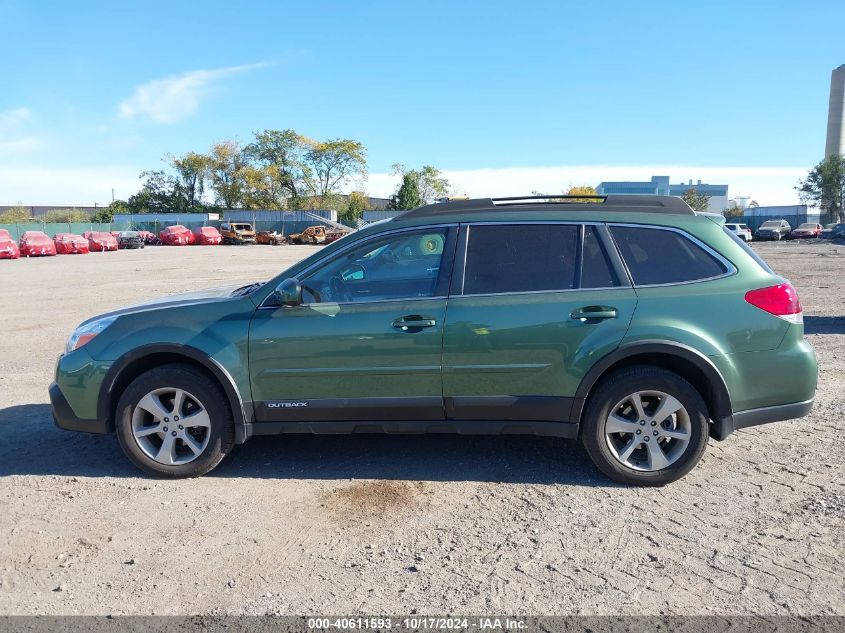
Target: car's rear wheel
645 426
174 421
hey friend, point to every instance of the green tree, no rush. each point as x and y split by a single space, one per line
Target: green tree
106 214
582 190
259 188
733 211
824 187
408 194
280 155
357 203
66 215
189 184
329 165
158 194
431 183
226 164
697 201
15 215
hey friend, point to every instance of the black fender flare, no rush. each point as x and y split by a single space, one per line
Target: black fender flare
106 401
721 410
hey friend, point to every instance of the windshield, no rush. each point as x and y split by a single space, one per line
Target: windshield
807 225
771 224
242 227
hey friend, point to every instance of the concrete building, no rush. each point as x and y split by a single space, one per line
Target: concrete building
38 210
835 144
660 186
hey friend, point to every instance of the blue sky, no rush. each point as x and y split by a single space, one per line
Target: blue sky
505 97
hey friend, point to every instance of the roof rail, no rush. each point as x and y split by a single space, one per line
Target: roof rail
548 199
620 203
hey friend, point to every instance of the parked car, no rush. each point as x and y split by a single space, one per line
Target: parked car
149 238
100 241
207 236
333 235
237 233
311 235
71 244
806 230
8 248
129 239
741 230
635 324
833 230
176 235
273 238
36 244
773 230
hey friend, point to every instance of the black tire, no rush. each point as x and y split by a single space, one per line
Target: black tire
617 386
221 432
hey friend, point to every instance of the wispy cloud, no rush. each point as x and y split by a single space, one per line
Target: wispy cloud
177 97
23 144
61 185
14 136
14 117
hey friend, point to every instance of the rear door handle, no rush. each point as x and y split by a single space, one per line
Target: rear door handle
589 314
413 323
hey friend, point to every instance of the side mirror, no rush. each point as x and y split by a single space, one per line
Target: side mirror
289 292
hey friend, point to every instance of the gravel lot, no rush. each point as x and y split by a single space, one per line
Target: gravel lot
386 525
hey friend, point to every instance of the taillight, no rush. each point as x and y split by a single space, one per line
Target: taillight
781 301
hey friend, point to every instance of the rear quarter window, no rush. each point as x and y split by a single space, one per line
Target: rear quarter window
750 252
660 256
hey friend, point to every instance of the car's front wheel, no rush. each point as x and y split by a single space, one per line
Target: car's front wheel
174 421
645 426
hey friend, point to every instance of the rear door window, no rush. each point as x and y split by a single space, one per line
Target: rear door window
521 258
596 271
659 256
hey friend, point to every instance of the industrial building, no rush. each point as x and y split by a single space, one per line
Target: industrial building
660 186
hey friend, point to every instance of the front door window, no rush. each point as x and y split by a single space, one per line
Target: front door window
404 265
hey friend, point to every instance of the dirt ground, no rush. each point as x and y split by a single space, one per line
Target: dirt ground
386 525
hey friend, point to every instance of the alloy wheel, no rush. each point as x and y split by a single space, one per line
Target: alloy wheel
171 426
648 430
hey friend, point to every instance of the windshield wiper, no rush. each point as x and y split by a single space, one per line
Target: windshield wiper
245 290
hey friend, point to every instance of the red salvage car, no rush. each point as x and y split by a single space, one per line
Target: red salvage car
8 248
149 237
36 243
70 244
176 235
207 236
100 241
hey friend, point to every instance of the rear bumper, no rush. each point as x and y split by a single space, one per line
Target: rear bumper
65 418
764 415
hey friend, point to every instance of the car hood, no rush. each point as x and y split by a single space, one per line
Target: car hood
209 295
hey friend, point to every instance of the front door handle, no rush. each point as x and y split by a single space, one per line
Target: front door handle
413 323
593 314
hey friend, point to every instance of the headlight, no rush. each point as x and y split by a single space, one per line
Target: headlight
85 333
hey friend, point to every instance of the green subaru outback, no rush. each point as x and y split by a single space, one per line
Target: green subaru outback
629 322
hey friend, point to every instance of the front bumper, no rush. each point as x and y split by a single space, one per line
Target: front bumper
65 418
